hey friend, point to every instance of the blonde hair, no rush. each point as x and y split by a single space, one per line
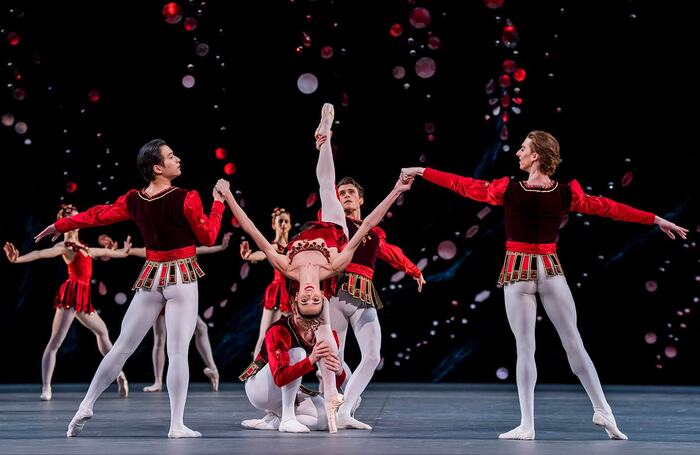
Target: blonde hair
547 149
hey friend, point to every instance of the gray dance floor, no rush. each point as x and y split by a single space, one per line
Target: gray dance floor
407 419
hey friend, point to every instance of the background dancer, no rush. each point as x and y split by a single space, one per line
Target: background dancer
275 301
73 299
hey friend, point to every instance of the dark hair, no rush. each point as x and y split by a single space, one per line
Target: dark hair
65 211
353 182
547 148
149 156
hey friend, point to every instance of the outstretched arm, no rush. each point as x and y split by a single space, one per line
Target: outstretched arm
602 206
341 261
216 248
393 255
13 254
111 252
248 254
99 215
278 261
479 190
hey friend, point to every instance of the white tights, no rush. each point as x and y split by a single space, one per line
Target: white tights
180 302
265 395
558 303
365 325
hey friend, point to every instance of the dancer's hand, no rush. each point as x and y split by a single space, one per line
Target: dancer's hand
669 228
421 281
11 252
320 351
412 171
333 363
50 230
225 241
320 140
221 189
245 250
403 184
127 245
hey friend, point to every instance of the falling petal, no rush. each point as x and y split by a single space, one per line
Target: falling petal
208 313
472 231
245 270
650 338
120 298
311 200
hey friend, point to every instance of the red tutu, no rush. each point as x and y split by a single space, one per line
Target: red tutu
75 291
74 294
276 296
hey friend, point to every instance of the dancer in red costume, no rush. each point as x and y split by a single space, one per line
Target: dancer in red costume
170 220
533 212
273 380
319 252
73 299
201 331
275 301
356 301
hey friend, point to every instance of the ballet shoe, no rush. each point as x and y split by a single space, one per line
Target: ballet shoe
327 116
123 385
78 422
155 387
45 394
345 421
607 421
293 426
331 408
213 375
518 433
183 432
269 422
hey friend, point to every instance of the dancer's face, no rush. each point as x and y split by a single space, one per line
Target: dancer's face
350 197
282 223
171 163
309 300
528 158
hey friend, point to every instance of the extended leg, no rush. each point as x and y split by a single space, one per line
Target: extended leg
62 321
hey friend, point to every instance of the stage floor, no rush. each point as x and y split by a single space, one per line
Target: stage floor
407 419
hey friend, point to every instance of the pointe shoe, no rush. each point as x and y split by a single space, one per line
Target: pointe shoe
269 422
327 116
607 421
518 433
293 426
78 422
183 432
156 387
331 409
213 375
345 421
45 394
123 385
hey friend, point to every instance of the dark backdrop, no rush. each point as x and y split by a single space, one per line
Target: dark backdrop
602 76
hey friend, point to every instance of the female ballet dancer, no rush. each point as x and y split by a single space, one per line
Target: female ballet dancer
533 212
73 299
315 254
275 301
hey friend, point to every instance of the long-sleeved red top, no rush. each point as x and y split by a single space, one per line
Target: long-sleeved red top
169 220
279 339
374 246
532 215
